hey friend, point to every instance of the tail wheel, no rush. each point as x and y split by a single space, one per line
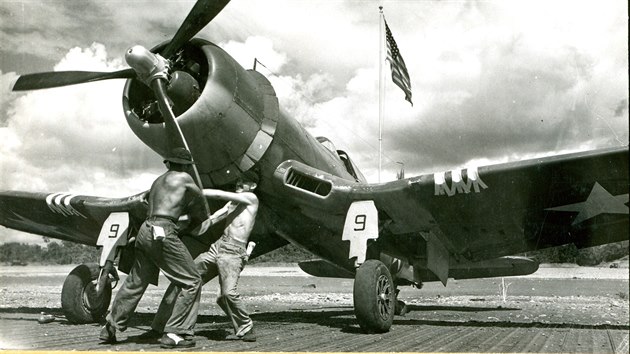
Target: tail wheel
79 299
374 297
400 308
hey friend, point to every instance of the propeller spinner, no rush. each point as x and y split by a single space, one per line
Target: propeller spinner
148 66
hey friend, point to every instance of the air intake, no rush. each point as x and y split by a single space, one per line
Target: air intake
308 183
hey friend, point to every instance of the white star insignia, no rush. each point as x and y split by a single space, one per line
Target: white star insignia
600 201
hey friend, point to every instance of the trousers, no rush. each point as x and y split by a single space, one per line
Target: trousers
172 257
226 258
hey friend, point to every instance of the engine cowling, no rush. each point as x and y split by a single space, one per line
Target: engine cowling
228 114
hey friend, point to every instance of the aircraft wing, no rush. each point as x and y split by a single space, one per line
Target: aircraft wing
476 214
489 212
67 217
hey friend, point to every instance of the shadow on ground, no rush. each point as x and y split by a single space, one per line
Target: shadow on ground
343 319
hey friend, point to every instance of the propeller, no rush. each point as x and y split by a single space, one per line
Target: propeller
174 133
64 78
199 16
150 68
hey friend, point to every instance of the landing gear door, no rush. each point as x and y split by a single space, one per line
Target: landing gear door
113 234
361 225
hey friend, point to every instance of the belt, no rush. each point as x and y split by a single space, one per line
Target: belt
162 217
233 240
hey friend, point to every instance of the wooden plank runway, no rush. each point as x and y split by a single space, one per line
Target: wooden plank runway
298 313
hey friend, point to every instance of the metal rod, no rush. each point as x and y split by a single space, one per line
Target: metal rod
381 92
171 124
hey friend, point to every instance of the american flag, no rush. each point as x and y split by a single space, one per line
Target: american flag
400 76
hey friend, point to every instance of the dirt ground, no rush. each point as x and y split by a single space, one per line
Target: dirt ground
575 296
539 312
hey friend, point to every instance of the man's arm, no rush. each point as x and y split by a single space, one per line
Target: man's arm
247 198
211 220
198 199
198 209
220 214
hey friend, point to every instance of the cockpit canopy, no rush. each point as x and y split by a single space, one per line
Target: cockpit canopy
344 157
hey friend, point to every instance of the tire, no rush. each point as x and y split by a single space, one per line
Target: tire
78 295
374 297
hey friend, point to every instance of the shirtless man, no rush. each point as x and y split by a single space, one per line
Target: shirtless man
158 246
226 257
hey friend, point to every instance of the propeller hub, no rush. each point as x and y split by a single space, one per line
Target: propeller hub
148 66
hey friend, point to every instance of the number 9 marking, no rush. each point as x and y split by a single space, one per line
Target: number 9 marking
360 220
113 230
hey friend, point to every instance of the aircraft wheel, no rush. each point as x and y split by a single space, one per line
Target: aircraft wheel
374 297
401 308
79 300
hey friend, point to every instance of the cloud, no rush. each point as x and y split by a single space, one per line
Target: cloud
492 82
72 139
259 48
6 85
497 85
60 139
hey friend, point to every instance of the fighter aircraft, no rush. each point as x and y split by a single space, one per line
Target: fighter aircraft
465 223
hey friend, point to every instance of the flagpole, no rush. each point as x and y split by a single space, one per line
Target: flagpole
381 92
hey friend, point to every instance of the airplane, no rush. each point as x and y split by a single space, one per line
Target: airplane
460 224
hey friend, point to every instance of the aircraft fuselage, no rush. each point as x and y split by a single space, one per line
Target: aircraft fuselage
235 128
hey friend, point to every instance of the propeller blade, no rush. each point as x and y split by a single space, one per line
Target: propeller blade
174 135
64 78
201 14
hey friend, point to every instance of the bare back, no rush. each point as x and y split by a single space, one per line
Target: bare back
171 194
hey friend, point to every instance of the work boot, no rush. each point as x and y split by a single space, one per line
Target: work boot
241 330
172 340
248 336
108 333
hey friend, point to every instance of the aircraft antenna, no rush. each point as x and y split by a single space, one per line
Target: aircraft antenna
256 61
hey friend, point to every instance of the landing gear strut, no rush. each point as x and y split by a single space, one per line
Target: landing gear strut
79 298
87 290
374 297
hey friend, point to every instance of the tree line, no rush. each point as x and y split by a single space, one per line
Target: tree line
66 252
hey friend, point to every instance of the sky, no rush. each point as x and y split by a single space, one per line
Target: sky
492 81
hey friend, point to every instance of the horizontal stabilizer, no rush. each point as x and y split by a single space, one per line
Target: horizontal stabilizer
498 267
322 268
